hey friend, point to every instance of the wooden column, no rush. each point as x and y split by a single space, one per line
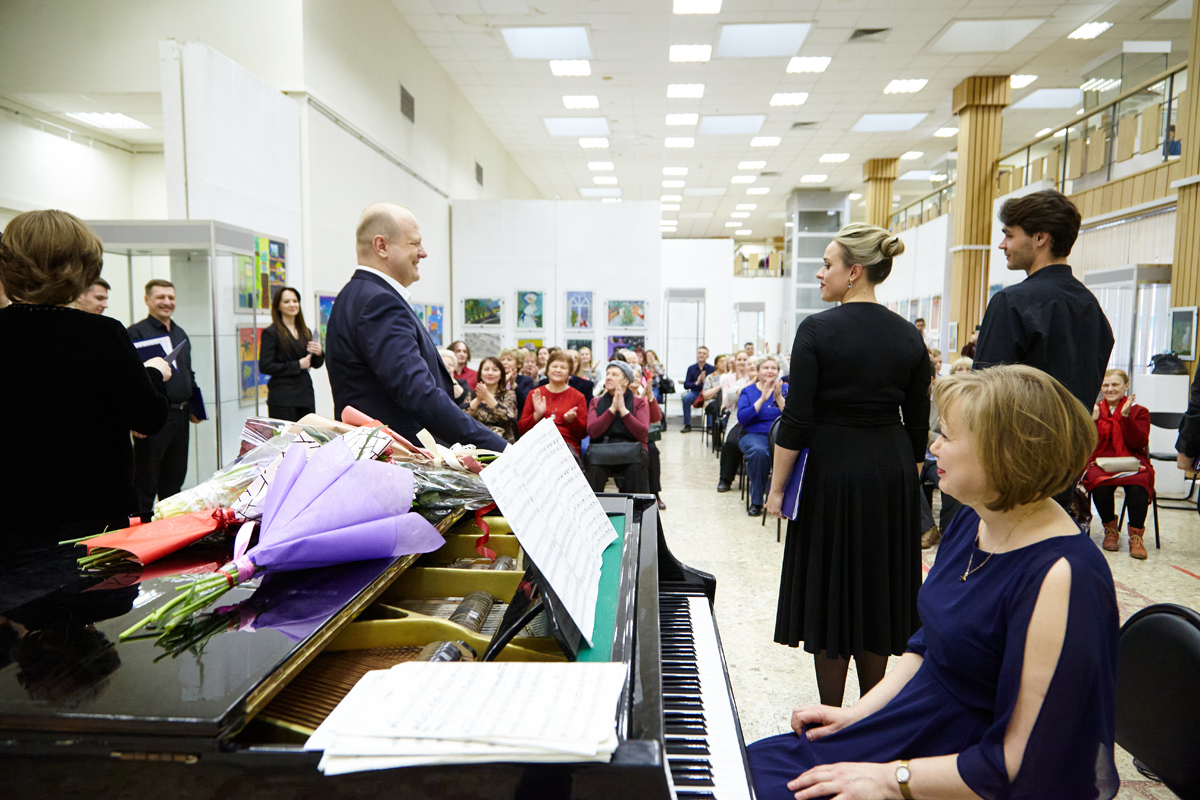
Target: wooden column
978 102
880 174
1185 270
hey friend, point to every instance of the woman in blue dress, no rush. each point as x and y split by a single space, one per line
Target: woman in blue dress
1007 691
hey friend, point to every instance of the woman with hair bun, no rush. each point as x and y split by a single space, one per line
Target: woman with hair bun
852 562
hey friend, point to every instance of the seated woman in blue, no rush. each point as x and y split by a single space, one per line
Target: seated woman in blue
1008 689
759 405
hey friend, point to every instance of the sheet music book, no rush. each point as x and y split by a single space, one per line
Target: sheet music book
400 717
791 489
555 516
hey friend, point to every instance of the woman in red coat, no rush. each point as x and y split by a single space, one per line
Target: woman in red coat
1124 430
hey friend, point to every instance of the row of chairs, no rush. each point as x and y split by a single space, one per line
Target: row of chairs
716 425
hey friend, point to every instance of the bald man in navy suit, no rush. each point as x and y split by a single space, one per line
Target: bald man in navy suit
381 359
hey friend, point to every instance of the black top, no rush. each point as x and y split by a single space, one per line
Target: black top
279 357
183 379
1053 322
72 390
861 365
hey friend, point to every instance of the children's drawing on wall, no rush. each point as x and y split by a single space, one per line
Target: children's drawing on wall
530 313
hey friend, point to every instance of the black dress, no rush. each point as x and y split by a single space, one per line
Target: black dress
852 562
290 390
72 389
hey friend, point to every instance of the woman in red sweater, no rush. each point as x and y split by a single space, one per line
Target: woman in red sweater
1124 430
557 400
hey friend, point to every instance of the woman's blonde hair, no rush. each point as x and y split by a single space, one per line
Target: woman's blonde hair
1120 373
1032 437
871 246
964 361
758 362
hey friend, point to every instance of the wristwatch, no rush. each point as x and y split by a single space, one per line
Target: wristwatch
903 773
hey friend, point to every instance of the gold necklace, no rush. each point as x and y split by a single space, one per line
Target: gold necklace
1006 538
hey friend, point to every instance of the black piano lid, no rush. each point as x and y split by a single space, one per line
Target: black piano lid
65 670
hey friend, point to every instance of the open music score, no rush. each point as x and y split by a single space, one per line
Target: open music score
555 516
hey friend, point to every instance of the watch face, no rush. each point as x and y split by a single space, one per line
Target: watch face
902 774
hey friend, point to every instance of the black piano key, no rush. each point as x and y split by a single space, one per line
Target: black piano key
682 749
693 781
694 794
686 730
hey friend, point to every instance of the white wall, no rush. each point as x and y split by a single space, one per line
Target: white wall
924 270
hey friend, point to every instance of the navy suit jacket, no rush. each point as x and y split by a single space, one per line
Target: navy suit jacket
382 361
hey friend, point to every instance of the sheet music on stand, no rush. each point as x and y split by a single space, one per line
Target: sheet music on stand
556 517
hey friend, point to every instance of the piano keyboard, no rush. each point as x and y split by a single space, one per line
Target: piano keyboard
703 738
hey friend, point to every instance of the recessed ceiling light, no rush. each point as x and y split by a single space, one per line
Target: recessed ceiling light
1021 81
670 206
1049 98
597 191
581 101
808 64
576 126
1100 84
905 86
600 166
855 195
670 222
682 119
1079 112
911 155
743 179
757 190
789 98
876 123
743 232
683 53
834 158
765 141
685 90
1089 30
762 40
696 215
1043 132
548 43
604 180
938 176
671 198
108 120
598 141
679 141
571 69
945 133
675 170
730 124
984 35
704 191
739 215
610 199
746 206
751 164
733 224
697 6
814 178
673 184
917 175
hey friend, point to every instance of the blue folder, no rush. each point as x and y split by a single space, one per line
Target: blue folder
791 489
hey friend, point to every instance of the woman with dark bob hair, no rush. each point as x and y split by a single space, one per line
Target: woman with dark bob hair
288 353
1008 689
66 370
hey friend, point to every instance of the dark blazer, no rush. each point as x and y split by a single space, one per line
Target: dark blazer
289 385
382 361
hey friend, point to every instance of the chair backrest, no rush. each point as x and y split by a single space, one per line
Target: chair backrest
771 436
1158 707
1166 419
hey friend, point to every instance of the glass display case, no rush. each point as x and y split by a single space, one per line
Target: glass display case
1137 300
812 219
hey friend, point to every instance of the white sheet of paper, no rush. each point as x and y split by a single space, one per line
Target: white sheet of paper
556 517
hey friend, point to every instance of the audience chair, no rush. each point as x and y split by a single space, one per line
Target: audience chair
1158 707
771 445
1170 421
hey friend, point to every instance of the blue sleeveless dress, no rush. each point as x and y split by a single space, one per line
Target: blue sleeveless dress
961 698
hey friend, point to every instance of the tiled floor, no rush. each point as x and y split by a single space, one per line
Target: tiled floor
711 532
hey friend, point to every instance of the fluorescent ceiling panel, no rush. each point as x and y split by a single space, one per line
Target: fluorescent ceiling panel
761 40
732 124
1050 98
682 119
808 64
983 35
945 133
916 175
746 206
589 191
107 120
814 178
733 224
686 91
581 101
834 158
684 53
1021 81
577 126
905 86
740 215
697 6
757 190
855 195
548 43
570 69
704 191
911 155
671 198
674 184
789 98
1089 30
670 206
877 123
743 232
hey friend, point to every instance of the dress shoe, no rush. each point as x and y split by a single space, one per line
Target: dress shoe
1112 535
755 511
661 505
931 537
686 429
723 486
1136 548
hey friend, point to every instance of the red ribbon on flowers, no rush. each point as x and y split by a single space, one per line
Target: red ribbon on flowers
481 543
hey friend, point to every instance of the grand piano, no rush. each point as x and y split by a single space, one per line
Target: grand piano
224 712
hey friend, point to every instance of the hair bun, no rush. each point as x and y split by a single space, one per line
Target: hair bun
892 247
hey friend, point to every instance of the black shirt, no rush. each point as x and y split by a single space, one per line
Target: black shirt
180 387
1053 322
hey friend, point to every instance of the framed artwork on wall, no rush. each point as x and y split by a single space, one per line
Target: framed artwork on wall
482 311
324 309
530 309
575 344
483 343
529 344
624 342
251 382
245 279
626 313
952 347
434 322
1183 332
579 311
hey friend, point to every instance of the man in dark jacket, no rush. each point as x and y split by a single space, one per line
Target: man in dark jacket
381 359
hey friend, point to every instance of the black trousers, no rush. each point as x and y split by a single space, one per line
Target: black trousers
655 468
160 460
291 413
1137 501
731 454
630 478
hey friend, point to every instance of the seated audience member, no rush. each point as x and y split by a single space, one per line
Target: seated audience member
462 391
63 366
1008 689
527 378
642 386
461 372
968 349
656 373
510 359
731 454
494 405
961 364
1123 430
585 366
558 401
579 380
693 384
543 358
711 393
759 405
935 360
618 419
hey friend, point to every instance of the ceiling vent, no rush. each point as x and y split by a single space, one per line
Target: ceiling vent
802 125
769 174
869 34
407 105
